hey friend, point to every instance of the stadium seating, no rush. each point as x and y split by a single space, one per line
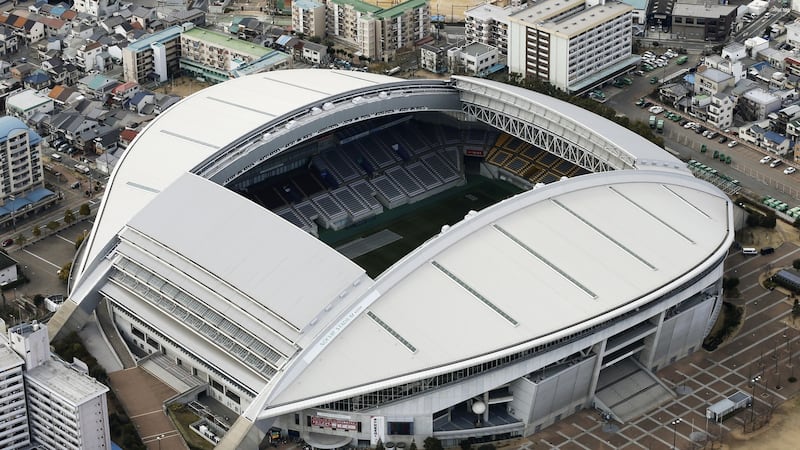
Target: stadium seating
524 160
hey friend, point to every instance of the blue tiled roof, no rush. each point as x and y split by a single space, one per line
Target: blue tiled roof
774 137
9 124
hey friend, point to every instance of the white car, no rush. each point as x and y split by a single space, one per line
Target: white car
656 109
690 125
789 170
732 144
765 160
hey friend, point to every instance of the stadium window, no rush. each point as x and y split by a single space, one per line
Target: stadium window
137 332
216 385
232 396
297 419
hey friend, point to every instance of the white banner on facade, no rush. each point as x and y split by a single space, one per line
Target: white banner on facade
377 429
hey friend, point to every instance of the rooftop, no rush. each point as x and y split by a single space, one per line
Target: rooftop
9 358
156 38
75 387
227 41
707 10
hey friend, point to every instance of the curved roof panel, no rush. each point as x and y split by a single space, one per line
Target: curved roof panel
545 263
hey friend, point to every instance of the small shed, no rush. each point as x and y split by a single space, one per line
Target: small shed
718 411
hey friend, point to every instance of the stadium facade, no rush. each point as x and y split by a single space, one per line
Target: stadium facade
516 316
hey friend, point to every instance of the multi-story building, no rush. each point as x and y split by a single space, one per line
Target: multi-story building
703 21
374 32
20 165
155 57
217 56
710 81
574 45
13 408
66 407
472 59
434 58
720 110
757 104
308 18
488 24
28 103
96 8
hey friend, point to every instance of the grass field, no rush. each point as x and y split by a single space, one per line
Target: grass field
418 222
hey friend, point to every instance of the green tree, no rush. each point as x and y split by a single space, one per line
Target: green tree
85 210
38 300
413 445
36 231
431 443
796 264
69 217
20 239
379 445
53 225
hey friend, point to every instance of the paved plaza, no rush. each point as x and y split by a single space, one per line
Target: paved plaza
760 350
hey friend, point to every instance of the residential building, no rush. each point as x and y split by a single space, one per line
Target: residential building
96 8
711 81
756 104
434 58
9 44
793 34
308 18
67 408
86 57
153 58
776 143
572 44
726 64
216 56
779 120
374 32
29 30
473 59
703 21
488 24
9 273
26 104
312 52
720 110
97 86
15 433
20 166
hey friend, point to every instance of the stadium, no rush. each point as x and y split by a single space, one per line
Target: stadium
348 258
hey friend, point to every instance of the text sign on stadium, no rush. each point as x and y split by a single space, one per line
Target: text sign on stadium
336 424
474 152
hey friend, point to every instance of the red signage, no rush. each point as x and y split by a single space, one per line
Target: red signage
336 424
473 152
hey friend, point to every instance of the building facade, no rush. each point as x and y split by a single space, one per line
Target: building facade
572 44
308 18
488 24
153 58
21 166
703 22
13 408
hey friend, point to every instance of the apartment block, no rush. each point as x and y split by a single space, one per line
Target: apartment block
155 57
15 432
488 24
20 165
218 56
374 32
574 45
308 18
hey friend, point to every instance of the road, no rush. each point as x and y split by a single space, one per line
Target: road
745 166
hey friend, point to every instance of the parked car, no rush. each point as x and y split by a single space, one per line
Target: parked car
775 163
765 160
8 242
789 170
656 109
722 139
732 144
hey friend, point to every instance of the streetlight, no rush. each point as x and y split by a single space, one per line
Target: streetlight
160 437
675 431
753 400
11 198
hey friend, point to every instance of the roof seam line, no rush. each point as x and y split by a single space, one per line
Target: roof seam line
686 201
236 105
475 293
603 233
646 211
547 262
391 331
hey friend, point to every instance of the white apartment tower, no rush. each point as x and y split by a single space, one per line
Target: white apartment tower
308 17
21 165
66 408
13 408
488 24
572 44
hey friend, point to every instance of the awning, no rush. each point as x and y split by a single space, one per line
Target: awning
326 441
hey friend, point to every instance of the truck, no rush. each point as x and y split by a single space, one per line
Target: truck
393 70
660 126
682 60
652 121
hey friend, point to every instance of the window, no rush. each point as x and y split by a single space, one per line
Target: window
232 396
137 332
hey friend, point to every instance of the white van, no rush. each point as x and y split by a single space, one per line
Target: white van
749 251
56 156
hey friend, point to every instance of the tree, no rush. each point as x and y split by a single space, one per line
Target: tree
38 300
379 445
796 264
68 217
795 310
431 443
413 445
36 231
63 273
79 241
20 239
85 210
53 225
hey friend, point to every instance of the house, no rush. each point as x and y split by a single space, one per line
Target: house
312 53
63 95
9 43
107 140
125 91
26 103
140 100
29 30
38 79
776 143
20 71
126 136
9 271
97 86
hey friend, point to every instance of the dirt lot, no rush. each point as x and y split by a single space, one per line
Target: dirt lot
183 86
